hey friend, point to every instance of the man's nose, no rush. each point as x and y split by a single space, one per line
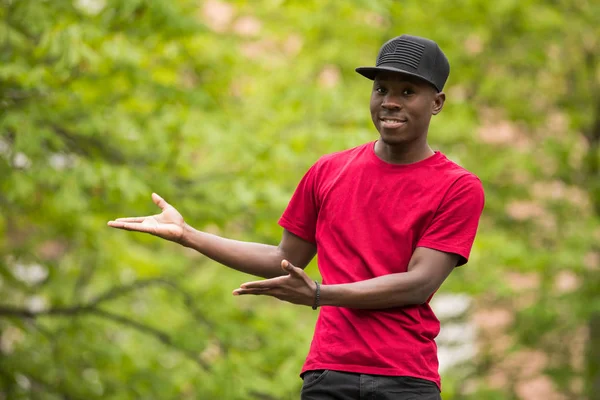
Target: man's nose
391 103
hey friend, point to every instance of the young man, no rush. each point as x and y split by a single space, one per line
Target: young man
390 220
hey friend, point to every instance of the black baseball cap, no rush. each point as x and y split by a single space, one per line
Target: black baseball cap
411 55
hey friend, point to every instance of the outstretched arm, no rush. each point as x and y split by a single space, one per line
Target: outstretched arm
253 258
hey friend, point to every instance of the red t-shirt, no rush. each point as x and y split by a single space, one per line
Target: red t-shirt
366 218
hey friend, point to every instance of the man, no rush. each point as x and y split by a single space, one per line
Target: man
390 220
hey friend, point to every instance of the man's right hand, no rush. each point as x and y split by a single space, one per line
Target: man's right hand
252 258
169 224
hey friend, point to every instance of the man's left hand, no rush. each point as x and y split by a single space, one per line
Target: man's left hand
296 287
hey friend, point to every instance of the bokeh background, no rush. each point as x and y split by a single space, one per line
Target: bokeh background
220 107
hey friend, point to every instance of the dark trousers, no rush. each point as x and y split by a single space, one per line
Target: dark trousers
335 385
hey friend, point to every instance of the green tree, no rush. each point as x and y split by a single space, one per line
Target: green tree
221 107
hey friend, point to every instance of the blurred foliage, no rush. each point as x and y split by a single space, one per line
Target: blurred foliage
221 107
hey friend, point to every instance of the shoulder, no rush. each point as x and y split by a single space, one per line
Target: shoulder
341 158
344 155
457 174
455 183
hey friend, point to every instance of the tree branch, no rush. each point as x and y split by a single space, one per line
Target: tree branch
111 294
91 308
9 311
84 277
37 381
161 336
119 291
94 310
87 146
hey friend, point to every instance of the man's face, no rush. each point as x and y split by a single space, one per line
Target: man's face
402 106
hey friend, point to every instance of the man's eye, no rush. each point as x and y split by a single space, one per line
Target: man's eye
380 90
407 92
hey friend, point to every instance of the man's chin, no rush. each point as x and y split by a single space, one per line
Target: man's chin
392 140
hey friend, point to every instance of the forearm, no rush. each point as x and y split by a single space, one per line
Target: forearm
252 258
394 290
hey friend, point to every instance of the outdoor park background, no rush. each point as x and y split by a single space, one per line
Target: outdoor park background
221 107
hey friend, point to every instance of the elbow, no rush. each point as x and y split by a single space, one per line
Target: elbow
419 299
414 297
422 294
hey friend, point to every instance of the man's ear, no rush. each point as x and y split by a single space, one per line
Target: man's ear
438 103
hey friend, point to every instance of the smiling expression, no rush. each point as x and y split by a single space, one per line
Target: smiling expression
402 106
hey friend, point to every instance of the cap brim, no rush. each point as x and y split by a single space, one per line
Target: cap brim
371 73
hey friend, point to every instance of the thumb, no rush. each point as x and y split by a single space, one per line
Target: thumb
288 267
159 201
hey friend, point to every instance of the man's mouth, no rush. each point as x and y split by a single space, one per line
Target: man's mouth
392 123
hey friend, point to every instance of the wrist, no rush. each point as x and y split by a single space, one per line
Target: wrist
334 295
186 236
317 297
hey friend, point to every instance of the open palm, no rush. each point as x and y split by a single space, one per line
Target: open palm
169 224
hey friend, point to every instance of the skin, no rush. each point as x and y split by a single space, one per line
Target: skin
410 103
407 104
252 258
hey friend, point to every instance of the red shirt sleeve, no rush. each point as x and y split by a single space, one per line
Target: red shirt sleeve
300 216
455 223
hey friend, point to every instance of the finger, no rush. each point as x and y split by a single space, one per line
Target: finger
241 292
128 226
131 219
264 284
159 201
289 268
114 224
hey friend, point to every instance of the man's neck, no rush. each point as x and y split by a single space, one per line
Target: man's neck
402 154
